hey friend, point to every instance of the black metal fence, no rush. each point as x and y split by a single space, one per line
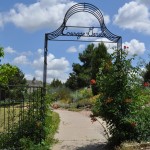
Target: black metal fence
21 110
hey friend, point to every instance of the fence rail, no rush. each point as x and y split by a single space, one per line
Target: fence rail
20 112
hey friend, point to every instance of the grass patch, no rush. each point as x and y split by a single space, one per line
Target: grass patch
75 109
134 146
8 117
53 127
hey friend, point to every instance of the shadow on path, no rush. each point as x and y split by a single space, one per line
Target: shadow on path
93 147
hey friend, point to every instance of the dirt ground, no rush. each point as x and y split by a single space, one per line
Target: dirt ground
77 132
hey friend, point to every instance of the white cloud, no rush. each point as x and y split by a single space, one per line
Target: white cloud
1 20
106 19
29 76
21 60
135 47
43 13
46 14
58 64
145 2
38 63
85 19
110 46
81 47
40 51
9 50
72 49
51 74
134 16
56 68
39 74
57 75
27 53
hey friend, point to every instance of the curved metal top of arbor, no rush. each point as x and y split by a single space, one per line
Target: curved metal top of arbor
61 31
84 7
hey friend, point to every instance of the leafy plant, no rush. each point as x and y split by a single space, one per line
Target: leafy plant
35 129
91 59
59 93
146 75
120 100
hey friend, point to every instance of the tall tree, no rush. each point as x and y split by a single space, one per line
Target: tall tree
146 75
11 75
11 80
6 71
99 55
91 59
56 83
1 52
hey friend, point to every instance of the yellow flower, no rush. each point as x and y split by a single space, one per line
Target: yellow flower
38 123
109 100
128 100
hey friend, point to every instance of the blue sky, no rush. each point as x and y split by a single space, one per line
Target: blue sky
24 23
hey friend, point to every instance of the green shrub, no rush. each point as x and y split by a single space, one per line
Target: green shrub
81 94
142 119
120 103
128 145
59 93
61 104
76 95
35 131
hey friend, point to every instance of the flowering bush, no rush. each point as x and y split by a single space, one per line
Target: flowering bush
94 87
119 104
92 82
146 84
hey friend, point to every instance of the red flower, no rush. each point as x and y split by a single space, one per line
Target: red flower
126 47
133 124
92 82
146 84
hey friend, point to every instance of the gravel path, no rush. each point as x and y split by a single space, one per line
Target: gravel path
77 132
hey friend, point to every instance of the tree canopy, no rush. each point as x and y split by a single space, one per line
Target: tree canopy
10 76
91 59
56 83
146 75
1 52
7 72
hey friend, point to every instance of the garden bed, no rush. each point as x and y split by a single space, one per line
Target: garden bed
134 146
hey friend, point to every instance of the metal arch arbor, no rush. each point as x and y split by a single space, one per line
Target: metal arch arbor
80 7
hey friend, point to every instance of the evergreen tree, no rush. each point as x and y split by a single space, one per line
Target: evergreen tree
91 59
72 81
56 83
146 75
99 55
